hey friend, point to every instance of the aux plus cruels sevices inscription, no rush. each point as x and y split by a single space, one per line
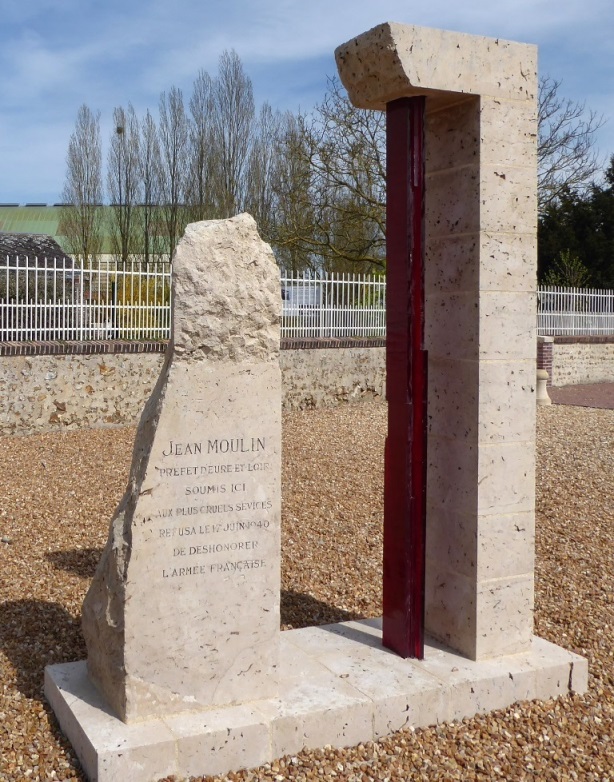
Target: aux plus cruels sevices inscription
183 612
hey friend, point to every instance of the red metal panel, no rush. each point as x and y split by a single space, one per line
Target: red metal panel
406 381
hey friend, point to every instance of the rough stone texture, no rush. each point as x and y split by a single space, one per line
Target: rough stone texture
394 60
582 363
315 378
183 612
60 393
480 255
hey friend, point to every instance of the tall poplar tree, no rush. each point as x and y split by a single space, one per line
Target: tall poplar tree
173 133
124 182
81 221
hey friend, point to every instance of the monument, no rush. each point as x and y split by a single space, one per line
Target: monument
196 537
187 672
480 222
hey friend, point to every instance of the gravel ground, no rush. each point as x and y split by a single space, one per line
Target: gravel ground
58 493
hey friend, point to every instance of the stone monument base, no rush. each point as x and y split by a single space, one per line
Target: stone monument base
339 686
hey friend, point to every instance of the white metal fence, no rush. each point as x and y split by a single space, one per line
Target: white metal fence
52 299
574 311
334 305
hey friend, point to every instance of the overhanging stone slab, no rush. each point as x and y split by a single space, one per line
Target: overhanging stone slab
395 60
338 686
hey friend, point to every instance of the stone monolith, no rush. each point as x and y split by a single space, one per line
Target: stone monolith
183 612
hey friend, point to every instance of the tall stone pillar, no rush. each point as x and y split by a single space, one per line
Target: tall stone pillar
480 234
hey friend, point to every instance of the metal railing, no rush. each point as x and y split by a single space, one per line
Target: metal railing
333 305
574 311
53 299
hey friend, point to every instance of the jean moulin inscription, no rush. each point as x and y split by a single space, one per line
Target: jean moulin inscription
232 498
232 445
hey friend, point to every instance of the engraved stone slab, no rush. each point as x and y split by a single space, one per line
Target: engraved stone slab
183 612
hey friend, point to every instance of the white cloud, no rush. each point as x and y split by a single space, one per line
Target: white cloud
56 54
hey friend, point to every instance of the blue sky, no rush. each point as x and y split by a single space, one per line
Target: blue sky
57 54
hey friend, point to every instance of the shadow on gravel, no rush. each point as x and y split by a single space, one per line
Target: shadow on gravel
34 634
300 610
81 561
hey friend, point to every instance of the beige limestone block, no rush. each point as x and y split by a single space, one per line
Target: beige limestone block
183 612
506 478
507 397
452 326
107 748
481 620
508 198
452 398
508 132
481 547
508 262
508 325
452 201
506 545
487 399
488 262
470 693
450 607
504 616
450 265
452 540
395 60
564 672
452 472
352 689
453 135
220 739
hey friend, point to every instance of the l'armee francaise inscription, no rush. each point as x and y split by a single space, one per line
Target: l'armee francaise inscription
220 512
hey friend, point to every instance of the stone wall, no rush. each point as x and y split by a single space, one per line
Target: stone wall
582 360
61 390
42 393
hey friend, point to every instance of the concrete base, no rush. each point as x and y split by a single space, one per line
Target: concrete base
338 687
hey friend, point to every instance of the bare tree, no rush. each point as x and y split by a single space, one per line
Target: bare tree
82 216
262 167
148 212
173 135
293 226
123 181
344 150
200 187
565 152
232 132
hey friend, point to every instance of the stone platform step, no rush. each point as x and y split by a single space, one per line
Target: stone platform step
338 686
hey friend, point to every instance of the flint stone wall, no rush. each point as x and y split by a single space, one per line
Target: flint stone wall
583 360
43 393
63 392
